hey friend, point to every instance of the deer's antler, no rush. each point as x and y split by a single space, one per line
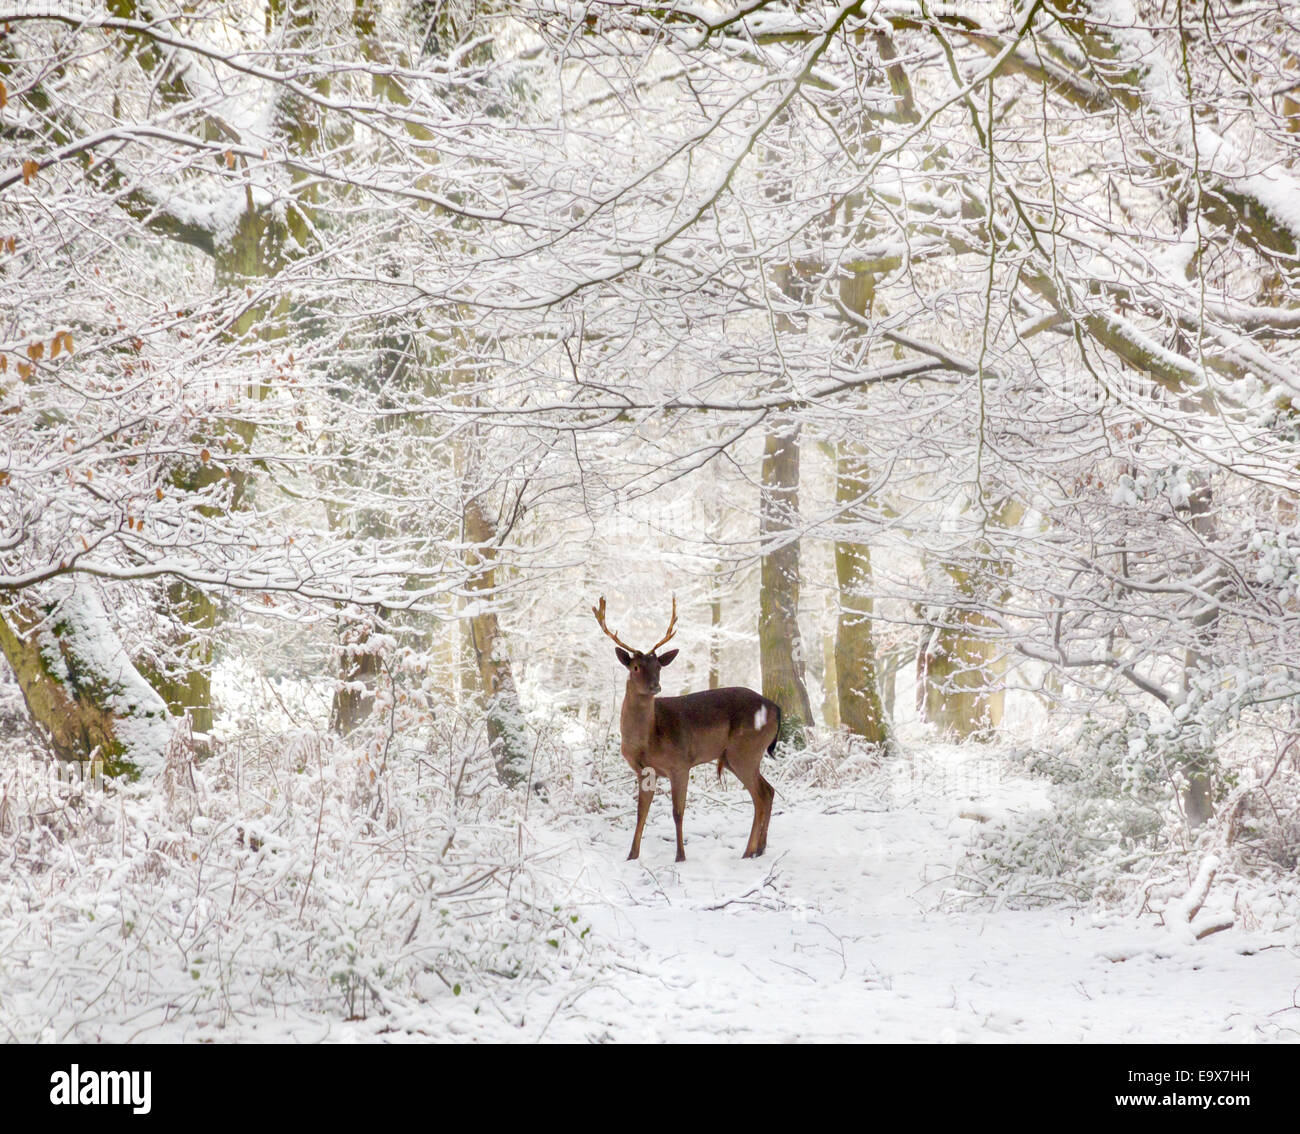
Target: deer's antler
599 612
672 628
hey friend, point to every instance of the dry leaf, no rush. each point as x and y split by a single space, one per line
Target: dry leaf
30 169
36 351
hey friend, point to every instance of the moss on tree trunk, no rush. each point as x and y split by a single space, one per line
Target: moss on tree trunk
958 675
860 710
780 647
81 690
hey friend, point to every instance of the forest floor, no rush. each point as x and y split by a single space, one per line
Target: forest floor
848 930
859 924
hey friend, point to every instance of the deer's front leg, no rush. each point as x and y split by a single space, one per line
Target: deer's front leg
645 793
679 780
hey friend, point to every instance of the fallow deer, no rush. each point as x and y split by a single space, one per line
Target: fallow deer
668 736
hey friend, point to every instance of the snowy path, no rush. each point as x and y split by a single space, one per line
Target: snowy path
834 936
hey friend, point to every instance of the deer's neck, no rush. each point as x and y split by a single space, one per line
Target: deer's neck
637 721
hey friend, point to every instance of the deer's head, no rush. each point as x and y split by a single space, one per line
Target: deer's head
642 666
643 669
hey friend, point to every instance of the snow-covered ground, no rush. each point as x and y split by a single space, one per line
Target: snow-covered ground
852 928
839 933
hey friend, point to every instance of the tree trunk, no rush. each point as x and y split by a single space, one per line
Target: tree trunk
1198 796
887 677
187 686
957 677
82 691
715 632
960 667
255 250
780 648
505 721
858 692
830 683
860 710
359 666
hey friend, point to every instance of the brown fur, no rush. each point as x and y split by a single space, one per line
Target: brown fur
671 735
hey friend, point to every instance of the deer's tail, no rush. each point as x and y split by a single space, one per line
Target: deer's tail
771 748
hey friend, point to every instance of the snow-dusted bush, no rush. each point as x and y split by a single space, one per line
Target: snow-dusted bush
827 759
1116 834
1113 792
291 884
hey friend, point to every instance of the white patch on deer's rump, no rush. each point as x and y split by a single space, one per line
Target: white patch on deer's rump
760 717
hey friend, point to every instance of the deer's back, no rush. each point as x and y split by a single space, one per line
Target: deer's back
704 723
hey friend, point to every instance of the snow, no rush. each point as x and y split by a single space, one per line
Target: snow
847 930
837 936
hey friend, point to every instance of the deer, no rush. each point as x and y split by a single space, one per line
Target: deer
668 736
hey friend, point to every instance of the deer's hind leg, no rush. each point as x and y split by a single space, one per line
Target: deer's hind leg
768 792
745 766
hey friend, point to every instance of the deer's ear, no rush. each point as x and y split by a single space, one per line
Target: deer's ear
666 659
623 655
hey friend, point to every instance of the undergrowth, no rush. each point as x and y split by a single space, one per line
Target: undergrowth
1115 837
367 886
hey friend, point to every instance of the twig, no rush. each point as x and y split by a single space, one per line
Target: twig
320 818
